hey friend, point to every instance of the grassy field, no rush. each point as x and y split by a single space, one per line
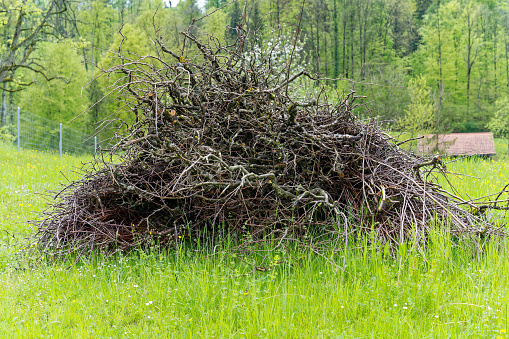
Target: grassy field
450 290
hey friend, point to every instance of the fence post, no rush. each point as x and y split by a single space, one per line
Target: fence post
95 147
19 131
60 144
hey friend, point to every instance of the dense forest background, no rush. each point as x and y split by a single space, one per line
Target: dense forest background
424 65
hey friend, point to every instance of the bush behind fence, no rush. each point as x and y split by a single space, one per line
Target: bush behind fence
26 130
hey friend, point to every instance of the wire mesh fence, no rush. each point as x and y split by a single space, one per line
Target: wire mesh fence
26 130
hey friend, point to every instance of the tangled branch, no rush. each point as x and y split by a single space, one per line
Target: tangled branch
217 145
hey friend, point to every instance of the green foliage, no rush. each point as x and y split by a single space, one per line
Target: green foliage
96 25
58 100
24 27
499 124
234 17
189 10
374 47
461 46
216 25
418 117
7 135
389 101
135 44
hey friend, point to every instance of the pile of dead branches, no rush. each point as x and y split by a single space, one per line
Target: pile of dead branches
218 145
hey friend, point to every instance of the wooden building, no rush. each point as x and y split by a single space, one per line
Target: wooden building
458 144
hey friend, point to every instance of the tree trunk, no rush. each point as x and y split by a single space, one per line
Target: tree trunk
336 44
4 107
277 14
313 44
495 55
506 28
344 70
352 28
325 53
441 80
360 40
364 42
470 57
11 103
317 17
469 67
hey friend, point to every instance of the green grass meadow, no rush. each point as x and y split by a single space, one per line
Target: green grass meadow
450 289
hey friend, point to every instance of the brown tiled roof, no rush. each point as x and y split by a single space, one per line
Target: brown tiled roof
459 144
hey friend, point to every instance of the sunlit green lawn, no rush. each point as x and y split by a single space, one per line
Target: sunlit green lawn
24 175
450 290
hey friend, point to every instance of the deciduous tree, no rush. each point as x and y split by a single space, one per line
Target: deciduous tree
419 114
499 124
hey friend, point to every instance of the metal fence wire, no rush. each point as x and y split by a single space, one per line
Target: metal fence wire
26 130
